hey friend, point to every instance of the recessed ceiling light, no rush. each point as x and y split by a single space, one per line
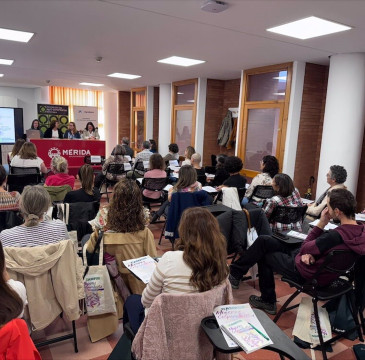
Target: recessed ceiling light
180 93
90 84
124 76
6 62
1 75
191 101
279 94
180 61
15 35
282 78
309 27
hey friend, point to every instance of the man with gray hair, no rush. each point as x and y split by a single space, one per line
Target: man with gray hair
144 155
336 177
125 143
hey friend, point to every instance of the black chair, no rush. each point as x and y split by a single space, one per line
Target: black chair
115 170
262 192
288 214
156 185
281 342
17 182
138 166
241 194
24 170
9 219
341 263
202 179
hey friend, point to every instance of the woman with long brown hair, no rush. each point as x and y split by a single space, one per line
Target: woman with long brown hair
53 131
27 157
16 148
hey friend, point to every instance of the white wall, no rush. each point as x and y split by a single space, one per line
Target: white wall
110 121
164 130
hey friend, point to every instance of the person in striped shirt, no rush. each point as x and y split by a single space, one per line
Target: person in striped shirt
34 202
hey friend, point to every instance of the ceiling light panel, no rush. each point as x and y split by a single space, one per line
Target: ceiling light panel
90 84
1 75
124 76
6 62
308 28
180 61
15 35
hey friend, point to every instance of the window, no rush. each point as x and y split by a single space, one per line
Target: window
265 103
138 117
184 98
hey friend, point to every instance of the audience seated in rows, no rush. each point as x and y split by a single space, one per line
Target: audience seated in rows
195 163
15 342
189 151
233 165
53 131
199 267
8 200
144 155
125 143
187 182
117 158
59 167
36 230
221 174
269 167
88 192
15 150
286 195
336 177
156 171
173 153
71 132
301 264
27 157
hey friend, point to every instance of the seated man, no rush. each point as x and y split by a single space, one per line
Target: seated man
301 264
125 144
195 163
144 155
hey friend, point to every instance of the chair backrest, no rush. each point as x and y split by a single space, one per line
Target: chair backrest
58 193
288 214
241 193
202 179
116 169
173 321
263 192
23 170
154 184
18 182
139 166
9 219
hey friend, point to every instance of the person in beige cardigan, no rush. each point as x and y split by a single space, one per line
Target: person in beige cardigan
336 177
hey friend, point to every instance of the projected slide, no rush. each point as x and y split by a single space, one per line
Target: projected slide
7 127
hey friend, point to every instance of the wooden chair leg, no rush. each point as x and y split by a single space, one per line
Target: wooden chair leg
318 324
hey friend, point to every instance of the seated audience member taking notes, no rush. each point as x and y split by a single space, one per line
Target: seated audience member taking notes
35 126
153 147
59 167
8 200
233 166
90 132
16 148
302 264
189 151
269 167
286 195
336 177
221 174
72 132
173 153
144 155
34 203
198 267
88 192
125 143
53 131
195 163
156 171
27 157
15 342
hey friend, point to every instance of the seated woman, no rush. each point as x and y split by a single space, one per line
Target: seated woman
173 153
126 235
34 202
221 174
153 147
199 266
72 132
16 148
59 167
187 182
90 132
53 131
117 158
286 195
27 157
189 151
8 200
156 171
88 192
269 167
14 335
35 126
233 166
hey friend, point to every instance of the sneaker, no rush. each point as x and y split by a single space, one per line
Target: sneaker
235 283
257 302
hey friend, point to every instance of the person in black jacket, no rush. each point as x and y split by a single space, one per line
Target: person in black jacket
233 166
53 131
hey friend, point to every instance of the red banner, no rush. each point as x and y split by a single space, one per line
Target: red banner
72 150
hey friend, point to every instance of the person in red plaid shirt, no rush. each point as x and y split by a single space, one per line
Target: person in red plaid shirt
286 195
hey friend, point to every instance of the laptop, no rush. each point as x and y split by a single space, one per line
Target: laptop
33 134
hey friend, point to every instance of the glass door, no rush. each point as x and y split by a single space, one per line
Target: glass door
138 118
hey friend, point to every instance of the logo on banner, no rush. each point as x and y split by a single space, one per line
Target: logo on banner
52 152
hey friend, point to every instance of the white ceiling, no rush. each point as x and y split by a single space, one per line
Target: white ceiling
131 35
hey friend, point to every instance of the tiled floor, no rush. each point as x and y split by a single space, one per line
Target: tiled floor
100 350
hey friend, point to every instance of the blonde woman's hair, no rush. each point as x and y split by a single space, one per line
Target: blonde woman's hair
28 151
34 202
59 164
75 130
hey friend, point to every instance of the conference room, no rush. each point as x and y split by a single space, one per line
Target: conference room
220 77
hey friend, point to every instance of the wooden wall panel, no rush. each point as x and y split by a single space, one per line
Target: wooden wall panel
124 113
310 127
220 96
156 110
